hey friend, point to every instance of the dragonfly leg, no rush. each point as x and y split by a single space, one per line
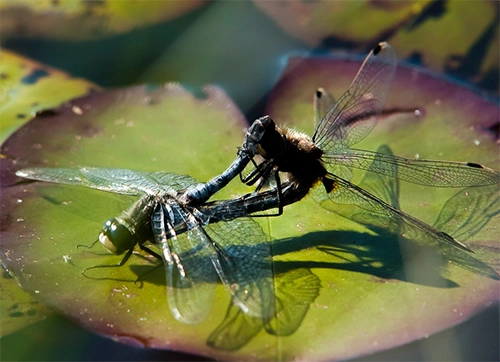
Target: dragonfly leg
120 264
253 176
139 279
260 174
279 194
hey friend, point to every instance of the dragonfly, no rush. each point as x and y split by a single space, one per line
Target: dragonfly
327 157
172 212
199 244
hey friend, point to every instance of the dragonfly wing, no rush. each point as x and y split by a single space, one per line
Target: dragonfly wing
169 180
464 215
346 193
355 114
190 277
245 265
422 172
117 180
382 187
469 211
323 101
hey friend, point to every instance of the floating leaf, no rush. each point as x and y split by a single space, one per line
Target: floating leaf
344 21
27 87
148 128
17 308
408 26
81 20
471 55
378 292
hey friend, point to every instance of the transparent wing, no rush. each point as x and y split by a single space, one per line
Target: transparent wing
196 257
245 265
347 193
188 258
323 101
469 211
380 186
422 172
168 180
464 215
121 181
355 113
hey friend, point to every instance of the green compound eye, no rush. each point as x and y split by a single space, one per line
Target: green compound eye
116 237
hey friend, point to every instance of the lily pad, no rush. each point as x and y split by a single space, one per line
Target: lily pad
408 26
81 20
471 55
159 123
373 300
17 308
27 87
345 21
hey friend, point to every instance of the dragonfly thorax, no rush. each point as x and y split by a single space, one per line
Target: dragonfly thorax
116 237
301 159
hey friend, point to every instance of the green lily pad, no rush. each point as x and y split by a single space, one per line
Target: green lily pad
364 301
17 308
471 54
148 128
346 21
92 19
27 87
374 300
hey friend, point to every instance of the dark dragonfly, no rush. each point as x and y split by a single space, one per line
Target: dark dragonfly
172 213
199 243
327 157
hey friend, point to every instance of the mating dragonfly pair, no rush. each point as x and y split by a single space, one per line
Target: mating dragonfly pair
174 212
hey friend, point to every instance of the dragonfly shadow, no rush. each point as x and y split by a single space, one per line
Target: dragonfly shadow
291 296
382 256
385 255
295 290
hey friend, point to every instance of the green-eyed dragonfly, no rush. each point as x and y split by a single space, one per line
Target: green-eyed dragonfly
199 244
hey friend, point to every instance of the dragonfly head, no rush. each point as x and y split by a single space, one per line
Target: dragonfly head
116 237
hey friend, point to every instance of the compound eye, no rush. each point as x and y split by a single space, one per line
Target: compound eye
116 237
